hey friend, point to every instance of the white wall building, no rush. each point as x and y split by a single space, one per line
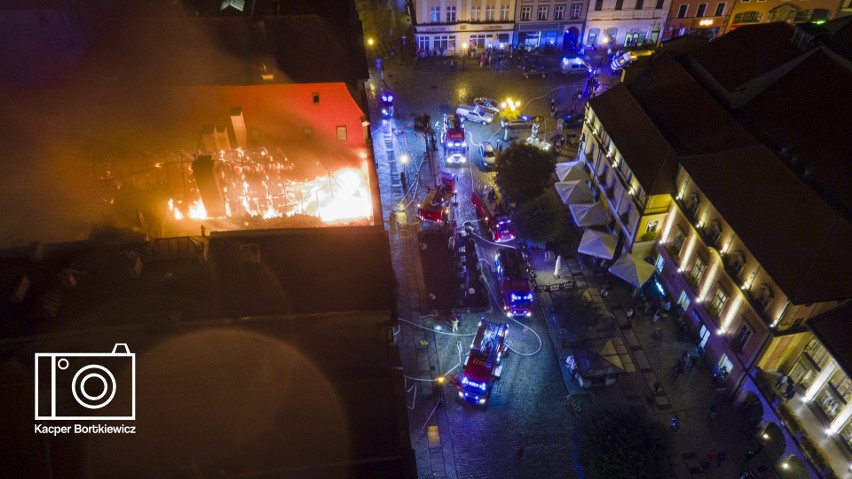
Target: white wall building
625 22
556 24
447 26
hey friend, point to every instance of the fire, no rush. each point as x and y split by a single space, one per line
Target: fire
253 184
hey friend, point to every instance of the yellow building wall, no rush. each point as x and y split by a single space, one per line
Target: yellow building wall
782 351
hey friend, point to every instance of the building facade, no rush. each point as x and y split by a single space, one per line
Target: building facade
700 18
549 24
463 27
628 23
750 12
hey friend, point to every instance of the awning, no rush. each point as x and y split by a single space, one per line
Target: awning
590 215
634 270
572 170
598 244
574 192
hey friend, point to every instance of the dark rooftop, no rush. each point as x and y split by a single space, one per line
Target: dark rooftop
809 258
642 145
814 127
747 53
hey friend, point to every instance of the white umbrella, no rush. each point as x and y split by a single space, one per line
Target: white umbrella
574 192
632 269
598 244
589 215
571 170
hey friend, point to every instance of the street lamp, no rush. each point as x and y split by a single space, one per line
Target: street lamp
464 58
404 159
604 41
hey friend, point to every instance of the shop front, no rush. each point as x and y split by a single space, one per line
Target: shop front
461 39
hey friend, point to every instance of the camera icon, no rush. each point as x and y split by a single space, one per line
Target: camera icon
86 386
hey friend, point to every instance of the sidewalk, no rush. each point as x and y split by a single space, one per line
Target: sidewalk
689 395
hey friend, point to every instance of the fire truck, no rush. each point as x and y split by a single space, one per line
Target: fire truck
491 208
515 291
483 364
454 140
436 205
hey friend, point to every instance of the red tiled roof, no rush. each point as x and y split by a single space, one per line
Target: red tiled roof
815 126
802 242
647 154
747 52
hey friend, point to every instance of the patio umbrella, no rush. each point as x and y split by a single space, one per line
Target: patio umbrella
589 215
574 192
571 170
632 269
598 244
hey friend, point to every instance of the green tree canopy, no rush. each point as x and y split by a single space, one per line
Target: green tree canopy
623 442
538 220
523 172
575 313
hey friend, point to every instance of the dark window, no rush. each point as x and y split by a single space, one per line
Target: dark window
660 4
618 4
316 98
639 4
681 11
720 10
702 9
747 17
598 5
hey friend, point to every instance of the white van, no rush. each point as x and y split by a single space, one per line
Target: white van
575 66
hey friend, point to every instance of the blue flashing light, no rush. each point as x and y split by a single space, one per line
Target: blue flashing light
564 60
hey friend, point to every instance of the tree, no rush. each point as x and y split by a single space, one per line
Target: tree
423 125
575 313
538 220
523 172
624 442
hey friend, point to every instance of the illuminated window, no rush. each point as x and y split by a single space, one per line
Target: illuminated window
526 13
719 301
316 98
542 12
423 43
720 10
559 12
702 9
474 13
576 10
652 226
435 16
697 270
341 133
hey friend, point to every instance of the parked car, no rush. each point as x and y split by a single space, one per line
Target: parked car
488 104
489 156
572 121
475 113
521 122
536 71
575 66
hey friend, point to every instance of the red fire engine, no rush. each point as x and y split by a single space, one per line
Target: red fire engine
492 209
454 140
482 366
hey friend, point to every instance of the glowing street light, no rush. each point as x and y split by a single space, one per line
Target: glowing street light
370 42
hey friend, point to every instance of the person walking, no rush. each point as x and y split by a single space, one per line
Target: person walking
782 380
790 391
630 313
711 415
455 322
657 386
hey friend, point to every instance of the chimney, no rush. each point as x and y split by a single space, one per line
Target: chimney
221 136
238 127
208 137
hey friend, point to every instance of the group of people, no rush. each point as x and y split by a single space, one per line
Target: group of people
786 385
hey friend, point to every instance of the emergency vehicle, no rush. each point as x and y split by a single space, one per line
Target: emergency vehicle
483 364
515 292
454 140
490 207
435 207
